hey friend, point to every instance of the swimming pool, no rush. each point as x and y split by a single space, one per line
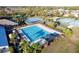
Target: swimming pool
34 32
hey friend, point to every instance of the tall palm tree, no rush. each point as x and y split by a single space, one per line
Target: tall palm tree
24 47
20 18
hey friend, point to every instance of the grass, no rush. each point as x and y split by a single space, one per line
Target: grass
66 45
51 25
66 31
77 47
56 47
62 45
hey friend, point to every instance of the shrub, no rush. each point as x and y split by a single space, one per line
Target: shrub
67 32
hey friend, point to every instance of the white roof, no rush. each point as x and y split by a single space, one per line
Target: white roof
7 22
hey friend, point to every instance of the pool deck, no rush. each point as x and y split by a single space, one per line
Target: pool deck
48 29
43 27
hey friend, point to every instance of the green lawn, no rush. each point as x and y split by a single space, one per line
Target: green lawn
66 45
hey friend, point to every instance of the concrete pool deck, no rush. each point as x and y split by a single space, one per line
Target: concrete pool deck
50 30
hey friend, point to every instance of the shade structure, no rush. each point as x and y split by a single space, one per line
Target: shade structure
7 22
3 37
69 22
3 40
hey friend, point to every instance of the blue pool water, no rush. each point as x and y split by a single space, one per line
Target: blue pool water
3 38
34 32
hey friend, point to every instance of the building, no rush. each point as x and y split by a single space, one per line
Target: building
75 13
6 20
3 40
66 13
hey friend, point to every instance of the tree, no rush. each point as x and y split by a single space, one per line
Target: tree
12 49
20 18
12 42
36 47
13 38
24 47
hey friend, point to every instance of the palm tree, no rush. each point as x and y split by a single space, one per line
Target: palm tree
20 18
36 47
12 42
24 47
